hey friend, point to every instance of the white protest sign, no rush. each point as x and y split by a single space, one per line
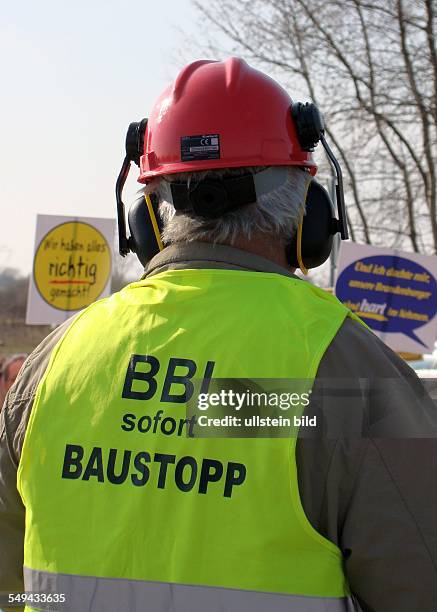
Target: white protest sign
71 267
394 292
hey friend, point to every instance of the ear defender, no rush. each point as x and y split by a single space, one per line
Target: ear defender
145 227
312 243
144 221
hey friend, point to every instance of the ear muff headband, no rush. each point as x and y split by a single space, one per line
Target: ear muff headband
310 128
154 222
134 145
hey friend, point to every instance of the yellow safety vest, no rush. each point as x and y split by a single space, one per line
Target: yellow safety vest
124 510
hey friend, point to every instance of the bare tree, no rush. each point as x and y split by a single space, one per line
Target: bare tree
371 67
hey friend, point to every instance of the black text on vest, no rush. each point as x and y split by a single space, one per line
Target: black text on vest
162 469
140 382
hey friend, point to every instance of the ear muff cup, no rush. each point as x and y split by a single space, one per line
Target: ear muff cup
143 240
317 229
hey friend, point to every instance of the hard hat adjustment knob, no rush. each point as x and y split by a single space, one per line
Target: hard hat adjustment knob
135 140
309 124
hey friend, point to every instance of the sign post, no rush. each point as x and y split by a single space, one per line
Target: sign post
71 267
394 292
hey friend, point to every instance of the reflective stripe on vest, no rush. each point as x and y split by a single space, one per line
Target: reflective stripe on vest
105 497
89 594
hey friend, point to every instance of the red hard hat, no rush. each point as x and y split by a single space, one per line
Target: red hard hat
221 115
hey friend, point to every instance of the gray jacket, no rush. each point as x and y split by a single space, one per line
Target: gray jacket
367 478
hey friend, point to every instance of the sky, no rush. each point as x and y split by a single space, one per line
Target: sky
74 75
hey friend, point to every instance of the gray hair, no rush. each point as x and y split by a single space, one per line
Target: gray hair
277 212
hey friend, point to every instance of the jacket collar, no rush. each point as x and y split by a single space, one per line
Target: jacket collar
186 255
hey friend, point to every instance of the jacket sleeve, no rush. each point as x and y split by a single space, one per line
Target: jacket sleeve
11 507
368 481
389 532
13 422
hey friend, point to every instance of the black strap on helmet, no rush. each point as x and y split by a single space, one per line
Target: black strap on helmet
211 198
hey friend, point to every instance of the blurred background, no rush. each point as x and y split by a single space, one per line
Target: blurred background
76 74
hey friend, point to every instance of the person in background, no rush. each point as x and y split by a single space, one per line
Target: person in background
2 360
9 370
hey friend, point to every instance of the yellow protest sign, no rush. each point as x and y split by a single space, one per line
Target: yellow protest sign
72 266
